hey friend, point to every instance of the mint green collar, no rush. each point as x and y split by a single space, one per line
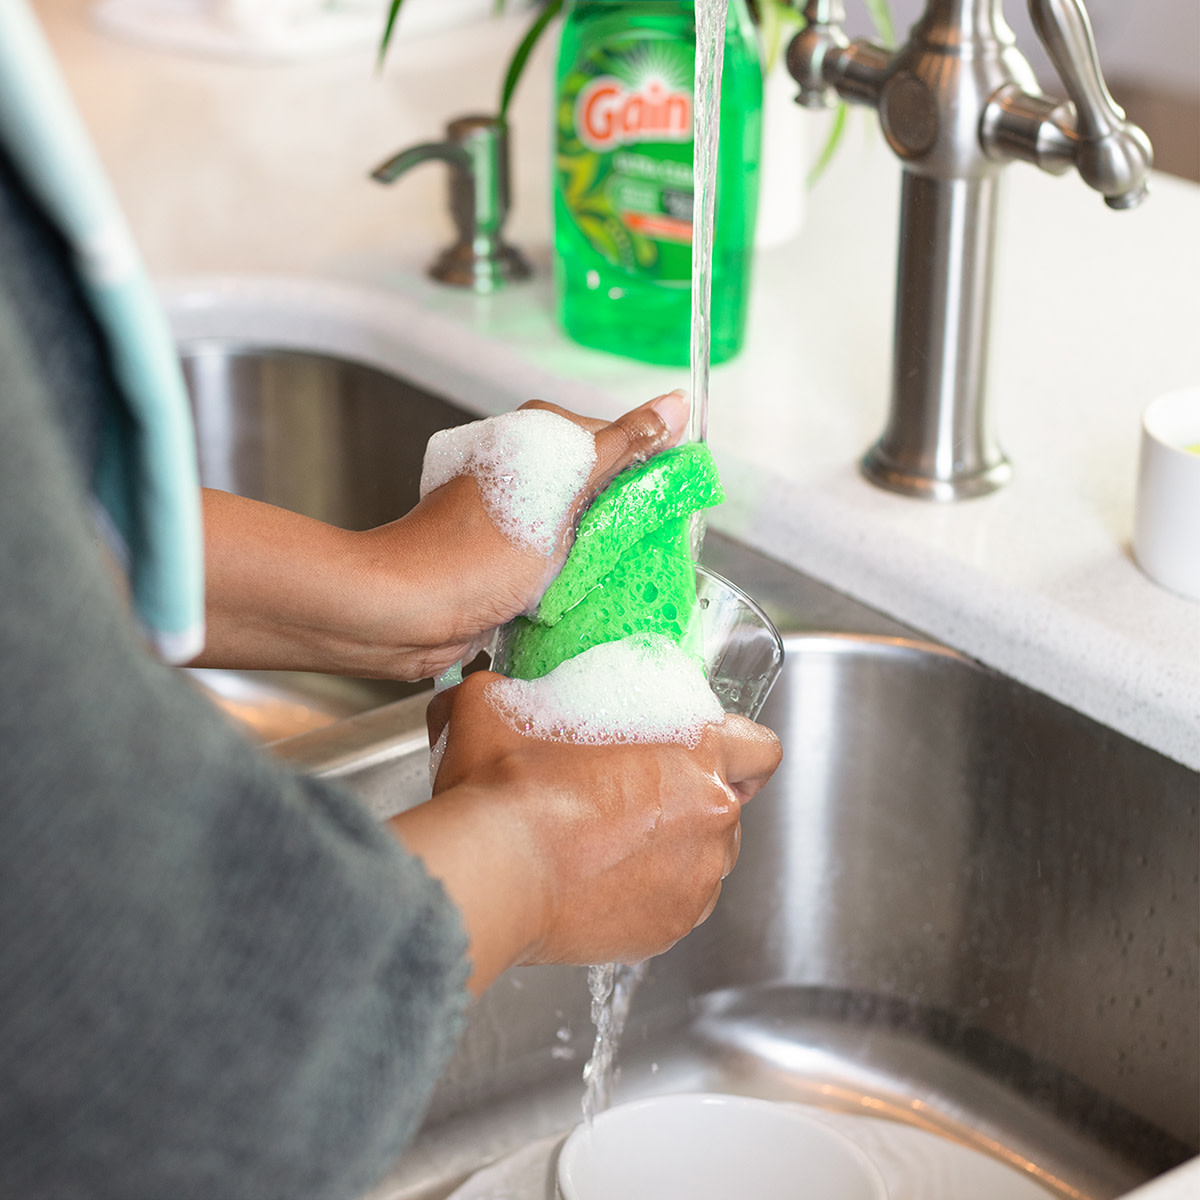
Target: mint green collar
146 485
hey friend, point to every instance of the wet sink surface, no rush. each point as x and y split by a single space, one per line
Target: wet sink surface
959 904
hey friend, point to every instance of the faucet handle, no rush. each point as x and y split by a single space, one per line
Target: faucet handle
476 150
1113 156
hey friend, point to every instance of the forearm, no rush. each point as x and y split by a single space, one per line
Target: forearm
286 592
405 600
469 841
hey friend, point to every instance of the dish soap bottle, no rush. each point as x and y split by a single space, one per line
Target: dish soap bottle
623 177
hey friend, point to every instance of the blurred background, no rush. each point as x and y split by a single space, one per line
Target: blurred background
1149 49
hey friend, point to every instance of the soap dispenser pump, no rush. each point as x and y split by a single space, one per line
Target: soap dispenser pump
476 150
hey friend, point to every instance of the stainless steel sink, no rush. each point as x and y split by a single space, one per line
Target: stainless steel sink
322 436
959 904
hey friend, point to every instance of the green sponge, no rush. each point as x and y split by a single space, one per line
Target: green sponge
640 500
630 570
650 589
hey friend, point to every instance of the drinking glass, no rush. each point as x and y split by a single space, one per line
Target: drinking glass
740 647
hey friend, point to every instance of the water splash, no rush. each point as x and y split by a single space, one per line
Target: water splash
612 986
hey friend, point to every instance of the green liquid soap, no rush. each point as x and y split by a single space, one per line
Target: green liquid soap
630 569
1193 449
623 184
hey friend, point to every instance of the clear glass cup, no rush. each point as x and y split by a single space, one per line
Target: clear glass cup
741 649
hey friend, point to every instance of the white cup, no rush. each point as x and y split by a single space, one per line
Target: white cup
1166 532
705 1146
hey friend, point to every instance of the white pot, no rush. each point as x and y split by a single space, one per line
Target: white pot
279 29
785 155
429 16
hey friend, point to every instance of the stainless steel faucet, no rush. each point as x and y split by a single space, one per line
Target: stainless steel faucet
957 103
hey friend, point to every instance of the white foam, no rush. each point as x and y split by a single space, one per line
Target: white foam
641 689
529 465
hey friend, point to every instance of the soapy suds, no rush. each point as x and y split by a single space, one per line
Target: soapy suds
630 569
640 689
530 465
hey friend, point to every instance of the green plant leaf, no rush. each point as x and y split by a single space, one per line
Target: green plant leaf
836 131
394 12
881 18
778 20
389 25
523 51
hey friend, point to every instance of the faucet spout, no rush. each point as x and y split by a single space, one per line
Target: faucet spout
414 156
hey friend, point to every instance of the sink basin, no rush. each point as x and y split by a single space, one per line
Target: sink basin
959 904
323 436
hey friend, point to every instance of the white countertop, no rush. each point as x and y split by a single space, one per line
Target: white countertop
247 187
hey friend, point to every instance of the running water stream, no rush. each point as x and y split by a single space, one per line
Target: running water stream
612 985
711 17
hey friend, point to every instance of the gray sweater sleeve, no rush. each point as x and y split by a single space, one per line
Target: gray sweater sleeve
217 979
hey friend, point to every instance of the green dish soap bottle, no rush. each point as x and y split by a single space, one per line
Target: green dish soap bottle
623 178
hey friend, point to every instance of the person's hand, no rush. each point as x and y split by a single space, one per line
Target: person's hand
474 577
405 600
558 852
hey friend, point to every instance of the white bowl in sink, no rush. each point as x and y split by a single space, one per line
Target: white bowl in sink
707 1146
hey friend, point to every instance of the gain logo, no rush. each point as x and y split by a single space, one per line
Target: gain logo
608 114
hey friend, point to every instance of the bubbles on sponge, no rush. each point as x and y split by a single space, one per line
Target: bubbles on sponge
642 499
529 466
643 688
649 589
